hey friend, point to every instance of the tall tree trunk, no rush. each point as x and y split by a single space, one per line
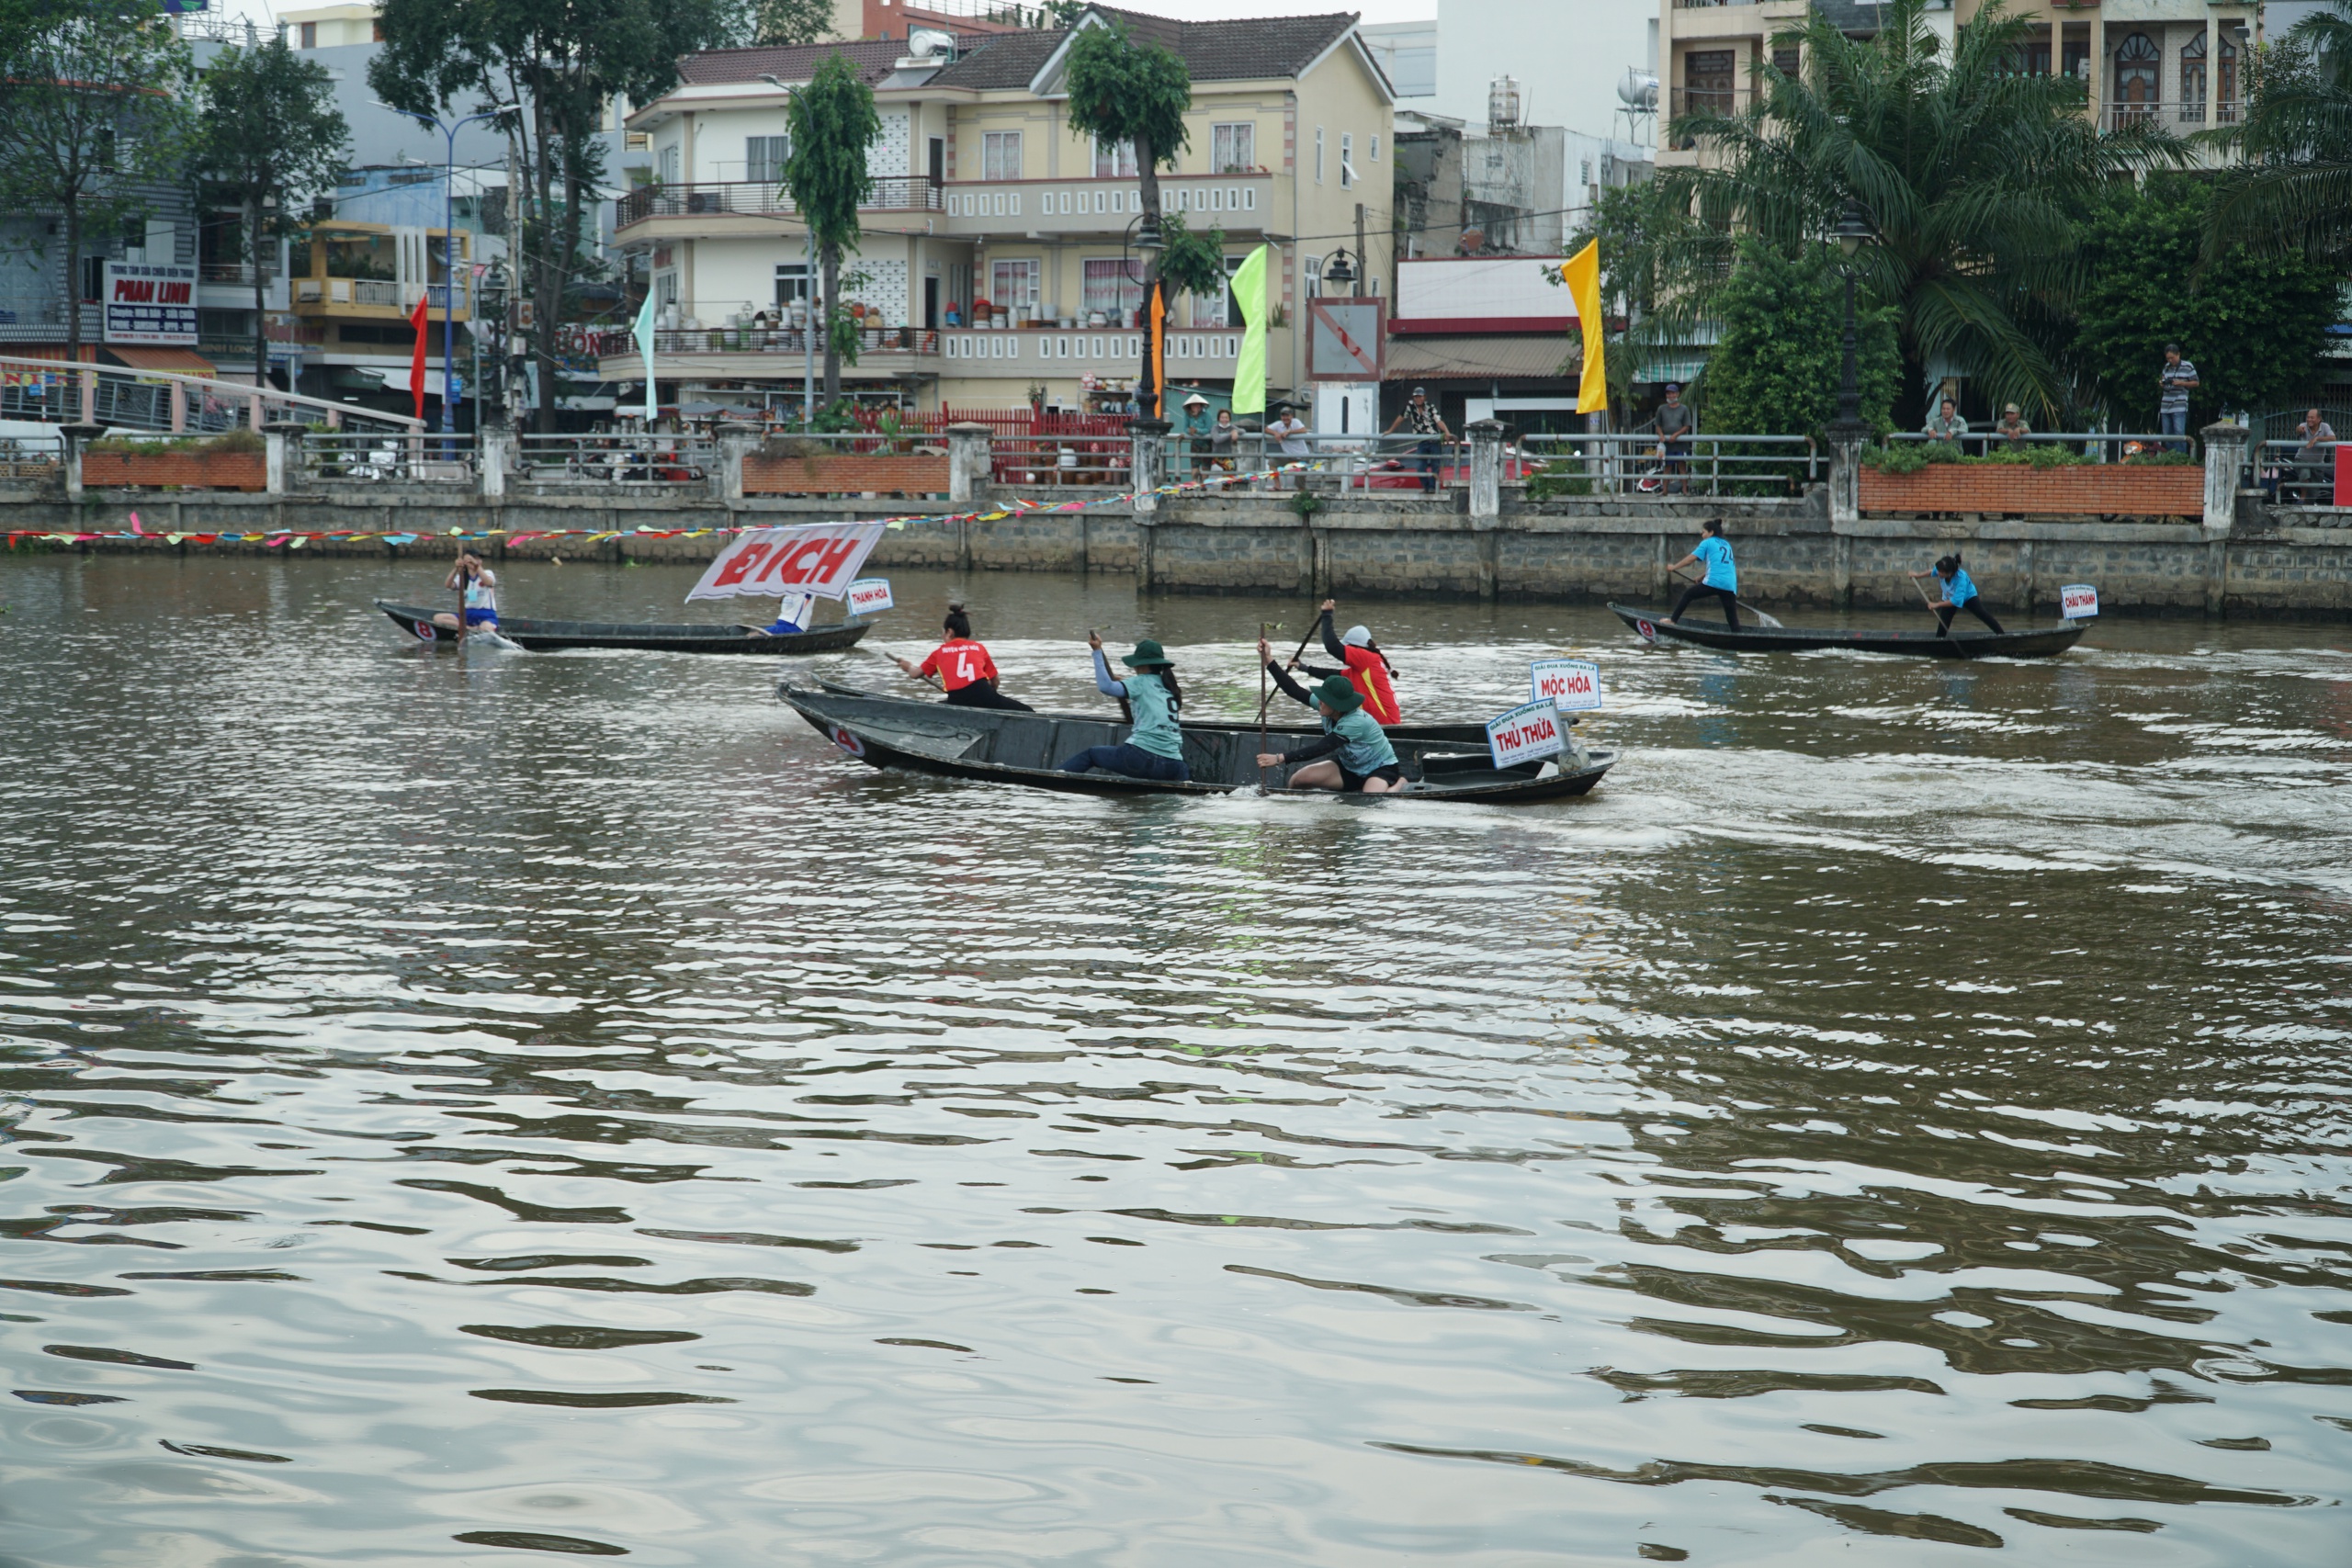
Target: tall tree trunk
261 293
547 282
832 270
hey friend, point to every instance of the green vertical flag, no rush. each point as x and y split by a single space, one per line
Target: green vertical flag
1249 369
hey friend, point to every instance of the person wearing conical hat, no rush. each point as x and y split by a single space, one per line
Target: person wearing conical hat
1154 748
1352 753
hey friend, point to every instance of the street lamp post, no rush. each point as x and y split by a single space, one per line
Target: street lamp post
449 245
1852 232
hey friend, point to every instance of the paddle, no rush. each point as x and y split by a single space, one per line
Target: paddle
900 662
1761 618
462 581
1300 652
1943 627
1265 695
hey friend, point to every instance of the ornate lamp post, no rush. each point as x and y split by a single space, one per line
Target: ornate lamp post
1852 231
493 313
1339 272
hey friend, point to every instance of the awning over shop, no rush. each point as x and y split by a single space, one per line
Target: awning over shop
178 361
46 351
1483 357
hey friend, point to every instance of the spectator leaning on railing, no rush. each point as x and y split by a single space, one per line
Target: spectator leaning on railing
2011 427
2315 453
1676 424
1945 423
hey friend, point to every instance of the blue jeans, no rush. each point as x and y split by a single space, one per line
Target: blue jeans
2175 423
1133 761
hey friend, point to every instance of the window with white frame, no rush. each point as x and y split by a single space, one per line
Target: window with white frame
1013 284
1376 147
1114 160
1233 147
1111 288
791 282
1001 156
1347 158
1220 310
1314 277
669 164
1318 154
764 157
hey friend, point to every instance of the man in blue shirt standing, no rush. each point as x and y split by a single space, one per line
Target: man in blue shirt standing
1713 552
2174 383
1960 594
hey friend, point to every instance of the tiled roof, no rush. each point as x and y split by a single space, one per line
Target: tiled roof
1214 51
788 62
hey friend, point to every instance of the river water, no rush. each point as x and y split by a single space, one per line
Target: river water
478 1108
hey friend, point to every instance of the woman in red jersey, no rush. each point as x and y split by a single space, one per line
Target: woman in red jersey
963 668
1366 668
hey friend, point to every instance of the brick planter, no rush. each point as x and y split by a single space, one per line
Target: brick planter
2092 491
844 474
187 470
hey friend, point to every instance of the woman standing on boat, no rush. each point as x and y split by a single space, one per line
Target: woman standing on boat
1362 661
1960 594
965 670
1353 753
1154 748
1713 553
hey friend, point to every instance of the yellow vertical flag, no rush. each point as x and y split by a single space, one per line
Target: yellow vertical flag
1250 366
1581 273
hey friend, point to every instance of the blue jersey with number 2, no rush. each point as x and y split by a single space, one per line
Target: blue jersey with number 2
1717 552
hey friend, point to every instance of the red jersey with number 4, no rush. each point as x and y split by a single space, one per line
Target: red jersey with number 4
1368 673
958 662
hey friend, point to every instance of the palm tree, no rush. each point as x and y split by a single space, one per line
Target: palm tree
1969 168
2293 188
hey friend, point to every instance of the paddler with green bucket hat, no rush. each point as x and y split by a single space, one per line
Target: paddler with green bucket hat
1154 748
1351 754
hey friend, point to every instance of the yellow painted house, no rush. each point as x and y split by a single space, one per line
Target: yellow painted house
983 194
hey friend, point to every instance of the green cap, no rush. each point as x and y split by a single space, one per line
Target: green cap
1338 692
1148 654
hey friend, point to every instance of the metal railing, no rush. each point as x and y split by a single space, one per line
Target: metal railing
762 198
235 272
2124 114
30 458
423 457
2292 472
162 402
2099 445
614 459
380 293
1034 461
787 341
1636 464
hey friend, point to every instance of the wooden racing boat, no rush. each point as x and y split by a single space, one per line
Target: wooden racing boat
1466 734
1004 747
2038 643
541 636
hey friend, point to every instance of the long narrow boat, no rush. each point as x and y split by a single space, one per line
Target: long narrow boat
541 636
1003 747
1465 734
2038 643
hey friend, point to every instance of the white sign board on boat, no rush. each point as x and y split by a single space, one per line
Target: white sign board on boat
1526 734
765 563
1571 685
870 596
2078 601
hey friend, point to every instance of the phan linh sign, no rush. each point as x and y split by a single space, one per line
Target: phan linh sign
152 303
1571 685
1525 734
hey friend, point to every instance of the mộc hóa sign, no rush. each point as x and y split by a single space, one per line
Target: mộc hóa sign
2077 602
870 596
149 302
1528 732
1571 685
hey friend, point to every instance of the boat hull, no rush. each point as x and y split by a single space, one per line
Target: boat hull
994 745
2040 643
1464 734
542 636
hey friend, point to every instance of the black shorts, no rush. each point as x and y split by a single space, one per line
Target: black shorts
1392 774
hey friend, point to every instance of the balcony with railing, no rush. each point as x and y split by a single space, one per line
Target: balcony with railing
2176 115
371 297
723 199
1241 199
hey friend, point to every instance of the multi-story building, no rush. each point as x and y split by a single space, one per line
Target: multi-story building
2181 62
354 287
986 205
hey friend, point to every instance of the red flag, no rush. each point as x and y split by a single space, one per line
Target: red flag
416 356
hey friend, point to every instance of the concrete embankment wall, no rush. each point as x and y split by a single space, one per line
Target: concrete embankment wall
2271 562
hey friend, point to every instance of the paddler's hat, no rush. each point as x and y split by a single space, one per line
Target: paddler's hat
1339 693
1147 655
1357 636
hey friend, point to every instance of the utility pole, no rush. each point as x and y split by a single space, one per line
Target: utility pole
1363 262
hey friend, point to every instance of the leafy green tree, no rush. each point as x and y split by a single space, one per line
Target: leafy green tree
94 113
2293 188
833 122
791 21
2254 318
562 65
1126 93
1970 170
272 136
1193 261
1637 226
1776 369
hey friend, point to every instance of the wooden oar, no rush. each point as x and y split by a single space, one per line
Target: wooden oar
1761 618
1267 695
882 653
1943 627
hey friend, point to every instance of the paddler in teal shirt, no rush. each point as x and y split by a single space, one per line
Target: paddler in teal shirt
1154 745
1353 753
